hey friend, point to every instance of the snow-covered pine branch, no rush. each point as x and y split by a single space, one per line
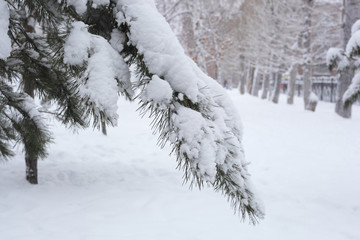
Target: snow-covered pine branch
199 120
106 73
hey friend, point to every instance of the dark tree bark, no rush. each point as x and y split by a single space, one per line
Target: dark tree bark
257 83
266 87
292 84
29 88
31 164
277 87
250 79
307 67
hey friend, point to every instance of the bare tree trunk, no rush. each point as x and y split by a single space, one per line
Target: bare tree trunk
351 14
29 88
243 81
242 76
31 164
250 79
272 85
307 76
266 86
257 83
277 87
292 84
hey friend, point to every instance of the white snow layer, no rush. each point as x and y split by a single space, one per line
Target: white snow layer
336 57
29 105
355 27
5 46
77 45
162 51
353 45
104 68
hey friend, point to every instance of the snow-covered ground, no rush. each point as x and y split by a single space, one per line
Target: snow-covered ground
305 166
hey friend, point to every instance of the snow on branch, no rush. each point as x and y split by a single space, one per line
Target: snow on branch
106 72
353 92
195 114
336 59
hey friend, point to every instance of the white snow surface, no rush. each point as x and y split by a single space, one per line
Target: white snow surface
5 46
305 166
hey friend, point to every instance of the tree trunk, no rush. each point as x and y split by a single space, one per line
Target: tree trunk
351 14
277 87
31 170
250 79
256 84
266 86
292 84
242 83
307 76
31 164
242 76
29 88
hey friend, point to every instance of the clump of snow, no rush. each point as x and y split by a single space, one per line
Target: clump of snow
353 88
120 18
5 46
106 75
117 40
335 57
313 98
197 145
355 27
353 46
157 91
28 104
79 5
77 45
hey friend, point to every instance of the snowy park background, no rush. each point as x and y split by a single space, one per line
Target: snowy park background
167 57
305 167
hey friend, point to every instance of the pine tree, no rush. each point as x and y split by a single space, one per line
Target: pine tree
34 68
91 61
